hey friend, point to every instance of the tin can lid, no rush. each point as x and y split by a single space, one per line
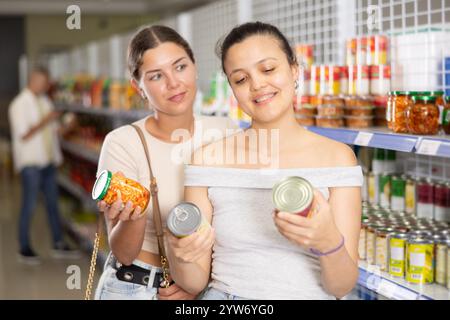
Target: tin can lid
101 185
185 218
292 194
399 235
420 240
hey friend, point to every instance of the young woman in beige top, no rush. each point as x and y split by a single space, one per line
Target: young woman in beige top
163 69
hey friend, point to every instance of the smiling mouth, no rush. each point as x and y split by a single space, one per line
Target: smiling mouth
178 97
265 98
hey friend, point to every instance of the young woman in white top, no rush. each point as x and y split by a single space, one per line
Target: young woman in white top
259 253
163 69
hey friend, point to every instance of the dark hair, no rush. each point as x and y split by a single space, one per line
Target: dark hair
149 38
243 31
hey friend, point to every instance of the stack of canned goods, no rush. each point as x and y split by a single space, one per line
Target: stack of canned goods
421 197
405 246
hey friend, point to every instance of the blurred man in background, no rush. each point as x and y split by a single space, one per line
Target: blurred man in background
36 153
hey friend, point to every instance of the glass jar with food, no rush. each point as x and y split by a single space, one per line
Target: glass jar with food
423 115
330 121
304 106
400 103
331 106
359 106
109 187
380 79
446 116
359 121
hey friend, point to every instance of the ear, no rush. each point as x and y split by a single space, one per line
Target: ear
136 86
295 71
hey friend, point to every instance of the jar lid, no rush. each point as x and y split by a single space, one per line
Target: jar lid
101 185
426 99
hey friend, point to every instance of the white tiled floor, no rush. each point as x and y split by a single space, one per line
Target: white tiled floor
19 281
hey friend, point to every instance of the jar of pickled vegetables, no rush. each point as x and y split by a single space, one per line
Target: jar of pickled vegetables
109 186
398 107
423 115
446 116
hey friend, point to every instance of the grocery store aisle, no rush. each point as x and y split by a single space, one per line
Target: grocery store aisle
19 281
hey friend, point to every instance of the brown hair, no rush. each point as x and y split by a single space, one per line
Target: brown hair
149 38
243 31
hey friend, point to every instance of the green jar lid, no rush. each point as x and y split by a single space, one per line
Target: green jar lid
426 99
447 99
101 185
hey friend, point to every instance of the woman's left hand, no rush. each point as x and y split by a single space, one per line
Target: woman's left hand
318 231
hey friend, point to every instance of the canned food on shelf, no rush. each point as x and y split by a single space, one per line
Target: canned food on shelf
370 242
372 188
419 269
398 186
410 196
448 266
441 260
362 241
294 195
442 201
380 79
109 187
385 190
314 88
184 219
423 115
397 253
377 50
381 247
343 82
425 198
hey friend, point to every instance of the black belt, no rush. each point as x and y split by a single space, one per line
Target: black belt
134 274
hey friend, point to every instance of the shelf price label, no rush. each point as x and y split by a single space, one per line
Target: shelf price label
363 138
429 147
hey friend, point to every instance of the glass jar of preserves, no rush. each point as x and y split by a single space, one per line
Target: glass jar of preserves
330 121
401 100
446 116
108 187
423 115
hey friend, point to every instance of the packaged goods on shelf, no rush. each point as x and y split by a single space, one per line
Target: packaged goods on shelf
305 54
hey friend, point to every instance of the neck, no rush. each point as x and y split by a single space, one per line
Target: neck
164 125
286 124
33 91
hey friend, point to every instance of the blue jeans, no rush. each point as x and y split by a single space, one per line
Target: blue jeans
211 293
111 288
35 179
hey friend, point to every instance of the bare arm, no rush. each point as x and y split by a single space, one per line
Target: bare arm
126 228
190 257
42 124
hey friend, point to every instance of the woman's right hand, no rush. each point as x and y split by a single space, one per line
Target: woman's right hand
191 248
120 211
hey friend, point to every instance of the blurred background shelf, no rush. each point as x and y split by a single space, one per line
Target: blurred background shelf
78 192
80 150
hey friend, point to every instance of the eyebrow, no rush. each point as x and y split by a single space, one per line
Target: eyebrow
262 60
176 61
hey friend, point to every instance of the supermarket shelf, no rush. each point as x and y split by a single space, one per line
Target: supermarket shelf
78 192
384 139
397 288
134 114
80 150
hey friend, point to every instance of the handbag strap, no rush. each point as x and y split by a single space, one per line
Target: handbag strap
154 192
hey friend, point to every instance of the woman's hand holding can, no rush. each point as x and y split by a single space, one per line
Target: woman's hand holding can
318 231
191 248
